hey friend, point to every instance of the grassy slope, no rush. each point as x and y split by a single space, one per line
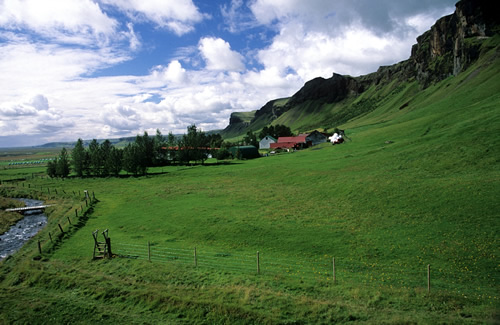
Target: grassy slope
384 210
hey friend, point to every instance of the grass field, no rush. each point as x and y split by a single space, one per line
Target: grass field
414 187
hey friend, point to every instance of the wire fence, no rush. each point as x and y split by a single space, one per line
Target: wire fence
322 269
477 282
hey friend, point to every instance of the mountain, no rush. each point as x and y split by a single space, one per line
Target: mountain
452 45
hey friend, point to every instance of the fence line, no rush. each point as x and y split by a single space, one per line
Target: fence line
321 269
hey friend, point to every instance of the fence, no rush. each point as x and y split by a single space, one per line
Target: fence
323 269
327 268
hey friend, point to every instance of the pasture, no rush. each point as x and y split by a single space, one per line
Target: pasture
413 188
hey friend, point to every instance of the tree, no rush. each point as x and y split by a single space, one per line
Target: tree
276 131
171 143
95 158
59 167
251 139
145 147
193 145
131 158
78 157
51 168
282 131
115 161
105 153
160 154
62 164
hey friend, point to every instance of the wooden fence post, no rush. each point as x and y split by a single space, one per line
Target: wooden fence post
69 221
258 263
108 242
62 231
76 213
39 247
428 278
334 275
195 258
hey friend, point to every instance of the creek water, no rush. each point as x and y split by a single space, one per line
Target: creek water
13 239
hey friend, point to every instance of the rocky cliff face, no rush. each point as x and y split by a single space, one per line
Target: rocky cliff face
452 44
449 47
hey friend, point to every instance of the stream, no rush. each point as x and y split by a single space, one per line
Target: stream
13 239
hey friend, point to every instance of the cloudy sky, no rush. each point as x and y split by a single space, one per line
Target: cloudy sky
88 69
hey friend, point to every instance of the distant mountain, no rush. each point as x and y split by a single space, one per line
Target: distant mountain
450 47
116 142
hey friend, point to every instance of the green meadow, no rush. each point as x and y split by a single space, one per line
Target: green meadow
416 187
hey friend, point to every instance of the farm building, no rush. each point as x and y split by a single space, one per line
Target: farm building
266 141
315 138
298 142
244 152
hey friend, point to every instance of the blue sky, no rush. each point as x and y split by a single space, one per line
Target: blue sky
88 69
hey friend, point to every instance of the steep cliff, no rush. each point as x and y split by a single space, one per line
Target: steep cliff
451 45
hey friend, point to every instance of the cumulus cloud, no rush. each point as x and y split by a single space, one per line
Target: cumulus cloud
179 16
120 118
30 107
60 50
174 73
319 37
76 21
219 56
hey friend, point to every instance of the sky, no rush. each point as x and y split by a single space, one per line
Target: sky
107 69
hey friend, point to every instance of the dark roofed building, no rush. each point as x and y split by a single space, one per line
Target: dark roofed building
244 152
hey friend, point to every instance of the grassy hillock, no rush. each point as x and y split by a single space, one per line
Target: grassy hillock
417 185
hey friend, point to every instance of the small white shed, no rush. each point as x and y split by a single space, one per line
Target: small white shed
265 142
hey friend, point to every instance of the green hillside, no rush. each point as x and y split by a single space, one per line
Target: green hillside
330 234
417 185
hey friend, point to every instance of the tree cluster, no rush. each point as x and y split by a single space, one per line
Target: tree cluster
102 160
60 166
276 131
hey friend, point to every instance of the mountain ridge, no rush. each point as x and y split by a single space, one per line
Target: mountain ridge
448 48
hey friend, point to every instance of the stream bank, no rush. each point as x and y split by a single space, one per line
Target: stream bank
13 239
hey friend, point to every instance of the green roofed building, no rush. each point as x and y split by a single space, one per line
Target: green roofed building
244 152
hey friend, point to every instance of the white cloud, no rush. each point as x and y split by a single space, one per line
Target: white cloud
49 81
75 21
319 37
26 107
174 73
178 16
120 118
219 56
237 16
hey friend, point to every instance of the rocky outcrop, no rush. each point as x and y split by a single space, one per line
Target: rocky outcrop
330 90
236 118
450 46
270 110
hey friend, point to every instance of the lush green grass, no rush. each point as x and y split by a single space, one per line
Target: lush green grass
417 185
